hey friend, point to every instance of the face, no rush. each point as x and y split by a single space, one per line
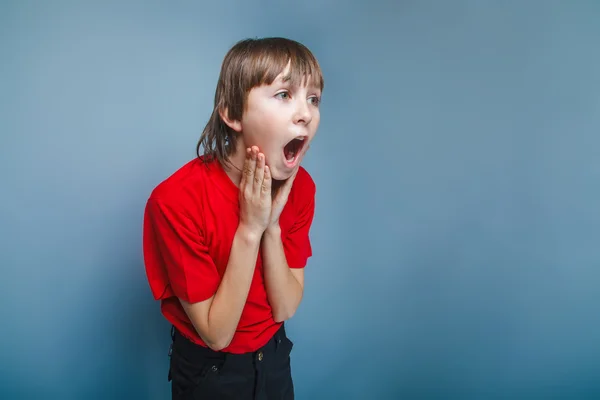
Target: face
281 120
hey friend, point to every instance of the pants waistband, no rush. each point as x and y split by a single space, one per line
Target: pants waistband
195 351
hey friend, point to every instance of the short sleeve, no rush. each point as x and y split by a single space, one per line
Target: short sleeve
296 242
176 258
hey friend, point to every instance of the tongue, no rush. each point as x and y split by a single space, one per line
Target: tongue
290 150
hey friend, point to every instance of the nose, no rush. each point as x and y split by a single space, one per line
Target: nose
302 113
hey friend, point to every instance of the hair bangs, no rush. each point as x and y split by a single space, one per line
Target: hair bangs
291 58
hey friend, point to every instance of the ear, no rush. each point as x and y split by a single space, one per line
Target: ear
235 125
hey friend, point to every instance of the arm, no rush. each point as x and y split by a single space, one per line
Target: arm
284 285
283 263
216 318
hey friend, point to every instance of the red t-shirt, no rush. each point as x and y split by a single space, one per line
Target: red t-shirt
189 224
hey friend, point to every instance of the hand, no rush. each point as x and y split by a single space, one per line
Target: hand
281 197
255 192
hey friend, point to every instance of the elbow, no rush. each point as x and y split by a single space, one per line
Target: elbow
215 346
215 334
215 341
218 345
283 313
282 316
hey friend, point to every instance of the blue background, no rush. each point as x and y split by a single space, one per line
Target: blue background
456 240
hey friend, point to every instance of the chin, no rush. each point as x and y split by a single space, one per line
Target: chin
279 175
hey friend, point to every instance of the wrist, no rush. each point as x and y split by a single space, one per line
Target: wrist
249 235
273 229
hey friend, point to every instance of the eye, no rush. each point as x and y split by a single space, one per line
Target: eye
314 100
283 95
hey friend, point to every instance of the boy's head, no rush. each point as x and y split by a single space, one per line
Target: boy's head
268 96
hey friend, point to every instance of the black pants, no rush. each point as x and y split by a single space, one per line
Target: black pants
197 372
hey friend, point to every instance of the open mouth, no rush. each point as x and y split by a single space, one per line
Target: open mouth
293 148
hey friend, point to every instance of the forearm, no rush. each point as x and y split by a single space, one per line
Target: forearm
230 298
284 291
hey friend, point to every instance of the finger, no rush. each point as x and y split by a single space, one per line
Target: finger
252 162
267 181
249 172
259 174
244 169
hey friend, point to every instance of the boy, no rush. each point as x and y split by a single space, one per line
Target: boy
226 237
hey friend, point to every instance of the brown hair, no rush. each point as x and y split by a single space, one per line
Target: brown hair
248 64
